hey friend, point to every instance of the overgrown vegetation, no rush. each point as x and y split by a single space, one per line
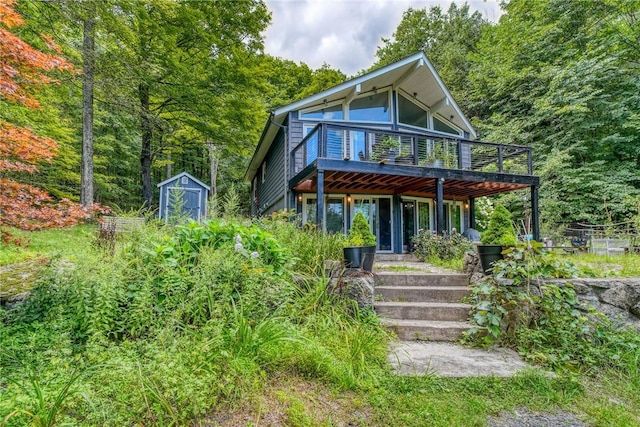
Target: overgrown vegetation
445 250
545 322
177 321
185 325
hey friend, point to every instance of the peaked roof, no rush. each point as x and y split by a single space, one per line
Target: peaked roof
180 175
415 76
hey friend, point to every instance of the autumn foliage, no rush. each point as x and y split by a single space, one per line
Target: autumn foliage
22 68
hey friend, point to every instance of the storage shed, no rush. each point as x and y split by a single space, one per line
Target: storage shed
185 193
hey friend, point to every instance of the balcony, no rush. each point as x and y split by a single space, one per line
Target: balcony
346 159
417 150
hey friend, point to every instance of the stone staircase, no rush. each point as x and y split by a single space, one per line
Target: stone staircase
418 304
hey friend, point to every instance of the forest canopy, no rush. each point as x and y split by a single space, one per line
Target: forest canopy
177 84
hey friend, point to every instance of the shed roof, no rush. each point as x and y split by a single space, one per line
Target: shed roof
180 175
414 75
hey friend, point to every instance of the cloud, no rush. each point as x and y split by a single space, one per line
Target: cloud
343 33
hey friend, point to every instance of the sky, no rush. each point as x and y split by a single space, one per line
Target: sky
344 33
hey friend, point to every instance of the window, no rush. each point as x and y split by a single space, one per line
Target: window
254 190
310 209
441 126
334 213
264 171
371 108
411 114
330 112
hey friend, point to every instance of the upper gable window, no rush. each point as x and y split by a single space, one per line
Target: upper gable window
411 114
330 112
441 126
371 108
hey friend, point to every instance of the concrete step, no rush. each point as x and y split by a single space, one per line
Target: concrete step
423 311
451 294
395 258
426 330
388 278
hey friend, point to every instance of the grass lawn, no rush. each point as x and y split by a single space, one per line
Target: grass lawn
625 265
69 243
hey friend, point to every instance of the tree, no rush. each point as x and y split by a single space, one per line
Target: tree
446 38
568 86
23 67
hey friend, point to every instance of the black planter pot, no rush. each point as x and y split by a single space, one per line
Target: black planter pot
488 255
352 256
368 256
359 257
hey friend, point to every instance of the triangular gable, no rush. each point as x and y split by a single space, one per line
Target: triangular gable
180 175
414 75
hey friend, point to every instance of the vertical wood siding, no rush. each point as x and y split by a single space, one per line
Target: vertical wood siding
271 191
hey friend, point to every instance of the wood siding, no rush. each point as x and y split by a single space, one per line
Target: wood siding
270 193
295 130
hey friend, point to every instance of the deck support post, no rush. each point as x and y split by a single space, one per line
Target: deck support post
397 224
472 212
535 219
320 201
440 205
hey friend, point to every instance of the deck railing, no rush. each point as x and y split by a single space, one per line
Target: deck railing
416 149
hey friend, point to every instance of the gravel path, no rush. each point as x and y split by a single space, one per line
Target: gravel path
525 418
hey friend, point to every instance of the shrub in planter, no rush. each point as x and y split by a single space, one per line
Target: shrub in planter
499 233
360 245
500 230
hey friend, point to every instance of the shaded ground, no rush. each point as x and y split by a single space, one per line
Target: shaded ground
17 279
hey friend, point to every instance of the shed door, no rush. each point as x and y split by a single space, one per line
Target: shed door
186 198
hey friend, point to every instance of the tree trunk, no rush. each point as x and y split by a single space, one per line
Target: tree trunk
213 159
169 168
88 51
145 154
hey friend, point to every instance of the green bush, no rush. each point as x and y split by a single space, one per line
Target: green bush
431 247
360 233
500 230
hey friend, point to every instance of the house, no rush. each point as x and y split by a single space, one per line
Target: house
392 144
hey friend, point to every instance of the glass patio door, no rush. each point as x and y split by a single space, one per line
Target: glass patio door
377 211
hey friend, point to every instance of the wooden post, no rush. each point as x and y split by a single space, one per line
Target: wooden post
472 212
535 221
320 201
440 206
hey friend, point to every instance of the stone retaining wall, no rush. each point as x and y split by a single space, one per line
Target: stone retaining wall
618 298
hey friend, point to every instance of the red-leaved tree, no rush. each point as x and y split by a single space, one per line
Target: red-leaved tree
22 68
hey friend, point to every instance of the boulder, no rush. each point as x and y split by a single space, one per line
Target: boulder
354 284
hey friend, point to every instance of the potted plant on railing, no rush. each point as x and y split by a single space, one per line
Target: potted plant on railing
386 149
360 246
499 234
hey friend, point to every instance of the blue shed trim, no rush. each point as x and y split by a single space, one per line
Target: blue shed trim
180 175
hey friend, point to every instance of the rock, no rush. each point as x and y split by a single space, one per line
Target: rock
471 264
15 300
582 289
472 234
617 296
354 284
618 299
635 310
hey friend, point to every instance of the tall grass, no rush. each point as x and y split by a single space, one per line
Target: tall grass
178 319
